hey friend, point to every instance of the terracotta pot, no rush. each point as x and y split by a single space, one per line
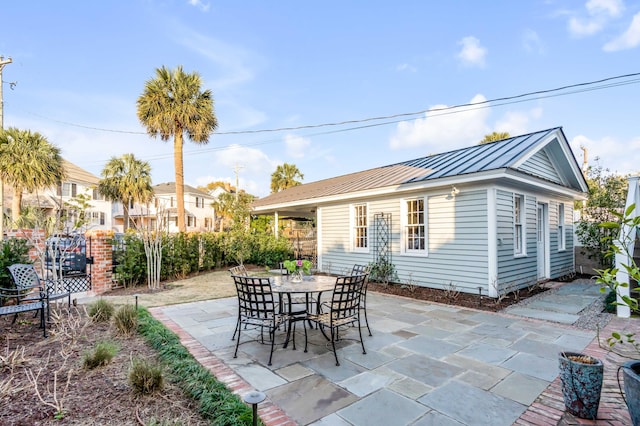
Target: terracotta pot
581 377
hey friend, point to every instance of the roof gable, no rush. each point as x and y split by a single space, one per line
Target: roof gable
78 175
544 154
169 188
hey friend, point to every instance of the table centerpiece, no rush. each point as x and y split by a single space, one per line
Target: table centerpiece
297 267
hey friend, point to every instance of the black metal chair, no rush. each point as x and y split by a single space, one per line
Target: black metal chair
25 276
257 309
344 310
27 295
365 270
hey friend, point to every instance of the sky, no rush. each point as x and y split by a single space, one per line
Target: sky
310 83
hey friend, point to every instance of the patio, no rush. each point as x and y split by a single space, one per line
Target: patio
425 364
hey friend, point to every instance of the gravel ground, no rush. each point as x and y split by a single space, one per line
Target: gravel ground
592 317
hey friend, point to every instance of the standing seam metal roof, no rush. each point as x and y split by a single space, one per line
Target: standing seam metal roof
477 158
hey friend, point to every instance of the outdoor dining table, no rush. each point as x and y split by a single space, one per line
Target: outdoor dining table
284 286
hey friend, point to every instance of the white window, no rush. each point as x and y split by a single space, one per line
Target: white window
69 189
360 227
518 224
97 218
415 227
562 235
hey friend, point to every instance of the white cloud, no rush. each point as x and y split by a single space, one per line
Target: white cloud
200 4
518 122
472 53
296 145
406 67
532 42
628 40
606 153
443 131
599 13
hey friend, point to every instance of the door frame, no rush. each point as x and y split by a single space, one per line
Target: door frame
542 247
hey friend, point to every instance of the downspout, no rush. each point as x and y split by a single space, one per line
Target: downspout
492 243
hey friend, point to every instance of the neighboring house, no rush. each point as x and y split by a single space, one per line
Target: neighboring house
197 204
77 182
484 219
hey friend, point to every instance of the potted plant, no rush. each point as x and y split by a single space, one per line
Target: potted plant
581 376
298 267
626 230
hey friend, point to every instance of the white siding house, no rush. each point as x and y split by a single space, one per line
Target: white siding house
484 219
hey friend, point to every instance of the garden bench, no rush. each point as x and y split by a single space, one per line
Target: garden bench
24 299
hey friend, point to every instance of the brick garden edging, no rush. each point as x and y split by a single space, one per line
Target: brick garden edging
270 414
548 409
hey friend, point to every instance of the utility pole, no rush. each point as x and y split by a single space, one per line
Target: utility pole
3 62
236 168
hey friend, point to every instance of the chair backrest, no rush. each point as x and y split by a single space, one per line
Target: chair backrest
255 298
361 269
238 270
24 276
345 302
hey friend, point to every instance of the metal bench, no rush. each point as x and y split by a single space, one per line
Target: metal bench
25 298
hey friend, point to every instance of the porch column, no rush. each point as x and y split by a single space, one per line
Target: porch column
625 257
275 224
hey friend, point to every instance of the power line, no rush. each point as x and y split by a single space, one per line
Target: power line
432 111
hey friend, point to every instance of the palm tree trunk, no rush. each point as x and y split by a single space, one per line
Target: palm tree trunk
177 162
15 204
125 214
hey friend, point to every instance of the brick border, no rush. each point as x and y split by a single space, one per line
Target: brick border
269 413
548 409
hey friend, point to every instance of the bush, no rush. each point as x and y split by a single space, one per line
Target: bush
610 302
145 377
102 354
101 310
12 250
126 320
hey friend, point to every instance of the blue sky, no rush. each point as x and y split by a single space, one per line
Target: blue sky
79 67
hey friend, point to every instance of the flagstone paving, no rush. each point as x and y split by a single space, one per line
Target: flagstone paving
426 364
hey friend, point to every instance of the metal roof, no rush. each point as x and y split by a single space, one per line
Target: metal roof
497 155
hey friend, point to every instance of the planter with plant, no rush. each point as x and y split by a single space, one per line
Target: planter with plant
620 247
581 376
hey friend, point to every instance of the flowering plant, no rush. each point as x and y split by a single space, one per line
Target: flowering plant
298 265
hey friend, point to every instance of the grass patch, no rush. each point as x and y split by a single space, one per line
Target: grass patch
217 404
101 355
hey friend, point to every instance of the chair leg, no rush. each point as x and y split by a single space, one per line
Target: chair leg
333 344
366 320
273 341
304 325
239 328
361 340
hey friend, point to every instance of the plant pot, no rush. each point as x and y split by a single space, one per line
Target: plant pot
631 375
581 377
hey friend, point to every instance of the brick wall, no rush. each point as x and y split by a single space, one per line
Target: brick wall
102 260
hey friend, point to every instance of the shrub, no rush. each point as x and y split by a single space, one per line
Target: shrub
101 310
126 320
145 377
12 250
610 305
101 355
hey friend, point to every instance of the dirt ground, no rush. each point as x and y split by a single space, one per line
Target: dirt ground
61 387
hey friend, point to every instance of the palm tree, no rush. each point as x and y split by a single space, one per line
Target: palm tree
126 180
494 136
28 162
285 177
171 105
223 207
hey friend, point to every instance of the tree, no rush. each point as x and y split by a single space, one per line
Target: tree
126 180
607 197
173 105
494 136
28 162
285 176
228 206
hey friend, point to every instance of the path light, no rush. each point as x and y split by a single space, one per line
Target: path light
479 295
254 398
136 296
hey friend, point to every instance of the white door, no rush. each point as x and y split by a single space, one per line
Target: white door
542 241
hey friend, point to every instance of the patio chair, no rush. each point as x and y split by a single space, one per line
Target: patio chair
238 270
24 276
25 296
344 310
365 270
257 309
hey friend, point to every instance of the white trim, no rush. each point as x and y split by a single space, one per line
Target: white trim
492 242
522 216
403 227
562 227
352 228
319 238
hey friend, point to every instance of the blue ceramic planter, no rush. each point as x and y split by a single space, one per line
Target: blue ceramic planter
581 385
631 374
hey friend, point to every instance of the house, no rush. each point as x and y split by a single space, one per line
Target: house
78 183
487 219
